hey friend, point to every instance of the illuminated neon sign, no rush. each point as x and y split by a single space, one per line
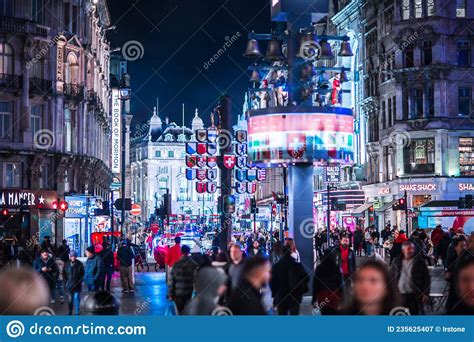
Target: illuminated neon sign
326 137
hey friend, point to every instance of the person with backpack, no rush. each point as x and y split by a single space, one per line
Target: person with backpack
289 283
73 275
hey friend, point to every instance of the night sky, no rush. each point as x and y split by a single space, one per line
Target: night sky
179 37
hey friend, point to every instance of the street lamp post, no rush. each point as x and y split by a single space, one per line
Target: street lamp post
124 96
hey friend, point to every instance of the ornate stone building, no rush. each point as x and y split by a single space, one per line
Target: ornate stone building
418 89
158 165
54 105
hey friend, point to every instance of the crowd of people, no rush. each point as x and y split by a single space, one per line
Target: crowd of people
347 278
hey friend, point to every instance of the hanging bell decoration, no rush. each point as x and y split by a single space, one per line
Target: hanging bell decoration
255 76
274 53
344 76
252 50
326 50
308 46
345 50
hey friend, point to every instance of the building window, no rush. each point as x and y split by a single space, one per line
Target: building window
464 53
36 118
157 154
6 120
384 115
409 57
170 154
68 130
6 59
427 52
417 104
419 156
406 9
67 16
418 8
390 117
430 8
45 176
465 101
430 102
75 19
461 8
394 103
37 11
12 175
163 185
7 8
466 156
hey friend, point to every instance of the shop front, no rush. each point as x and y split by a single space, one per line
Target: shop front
28 214
418 192
80 221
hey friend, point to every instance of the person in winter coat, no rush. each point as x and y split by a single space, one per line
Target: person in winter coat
328 285
46 266
373 292
174 252
464 285
73 275
396 250
107 257
246 299
125 257
93 271
442 249
289 282
255 250
460 245
413 278
210 284
358 240
436 236
345 259
63 252
182 279
233 268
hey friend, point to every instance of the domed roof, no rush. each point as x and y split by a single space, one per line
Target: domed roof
197 122
155 119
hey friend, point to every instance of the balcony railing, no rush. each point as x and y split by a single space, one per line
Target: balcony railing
41 86
8 82
23 26
74 92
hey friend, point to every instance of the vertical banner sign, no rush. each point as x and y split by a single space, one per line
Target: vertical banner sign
116 129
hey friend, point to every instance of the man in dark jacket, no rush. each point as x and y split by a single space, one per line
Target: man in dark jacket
246 299
63 252
289 282
413 278
93 271
345 259
107 256
358 240
46 266
233 268
182 279
73 275
125 257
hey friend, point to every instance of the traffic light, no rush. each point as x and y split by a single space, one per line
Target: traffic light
402 204
253 206
166 204
229 204
468 201
126 205
5 212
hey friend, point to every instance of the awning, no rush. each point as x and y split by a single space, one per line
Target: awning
362 208
385 206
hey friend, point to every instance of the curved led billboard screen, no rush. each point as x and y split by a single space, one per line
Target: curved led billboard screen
304 135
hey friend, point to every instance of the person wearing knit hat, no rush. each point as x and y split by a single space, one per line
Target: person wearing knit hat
94 270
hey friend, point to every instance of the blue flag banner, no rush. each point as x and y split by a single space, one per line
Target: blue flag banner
226 328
